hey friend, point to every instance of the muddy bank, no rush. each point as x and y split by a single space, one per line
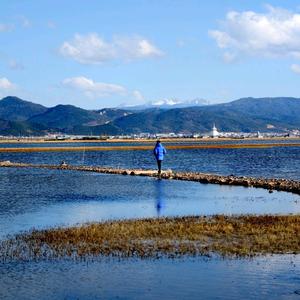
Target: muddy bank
171 237
271 184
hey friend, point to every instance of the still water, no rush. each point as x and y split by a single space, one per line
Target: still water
279 162
271 277
46 198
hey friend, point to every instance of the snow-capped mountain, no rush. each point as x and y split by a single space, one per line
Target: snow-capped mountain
167 104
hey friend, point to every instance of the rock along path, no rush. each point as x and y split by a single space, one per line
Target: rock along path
271 184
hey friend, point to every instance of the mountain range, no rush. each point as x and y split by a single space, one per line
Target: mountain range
23 118
166 104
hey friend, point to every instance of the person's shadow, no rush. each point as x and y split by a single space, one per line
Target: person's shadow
159 197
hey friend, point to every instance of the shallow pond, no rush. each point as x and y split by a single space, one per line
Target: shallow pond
271 277
280 162
45 198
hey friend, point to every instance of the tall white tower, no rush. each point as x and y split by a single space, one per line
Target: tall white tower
215 132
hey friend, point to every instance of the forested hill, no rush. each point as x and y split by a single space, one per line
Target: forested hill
20 117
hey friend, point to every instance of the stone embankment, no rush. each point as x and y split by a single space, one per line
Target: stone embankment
287 185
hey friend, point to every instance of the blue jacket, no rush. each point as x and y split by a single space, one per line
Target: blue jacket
159 151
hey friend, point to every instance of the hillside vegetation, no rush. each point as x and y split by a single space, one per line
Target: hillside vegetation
20 117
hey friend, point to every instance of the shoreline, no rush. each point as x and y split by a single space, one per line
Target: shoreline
235 236
170 237
117 140
145 147
287 185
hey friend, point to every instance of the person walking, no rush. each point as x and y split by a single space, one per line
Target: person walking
159 152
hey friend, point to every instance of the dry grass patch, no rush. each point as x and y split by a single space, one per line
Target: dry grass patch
172 237
145 147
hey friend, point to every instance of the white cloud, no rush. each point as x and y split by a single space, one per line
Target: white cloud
92 49
93 89
138 95
295 68
89 49
135 47
229 57
275 33
5 84
6 27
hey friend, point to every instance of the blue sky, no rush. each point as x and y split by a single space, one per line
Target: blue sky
96 54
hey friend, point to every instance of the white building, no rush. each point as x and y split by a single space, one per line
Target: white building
259 135
215 133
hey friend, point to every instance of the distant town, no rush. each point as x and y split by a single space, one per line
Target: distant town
213 134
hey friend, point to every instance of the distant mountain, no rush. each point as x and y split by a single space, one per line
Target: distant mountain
167 104
22 128
107 115
280 109
69 117
16 109
64 117
105 129
186 120
247 115
20 117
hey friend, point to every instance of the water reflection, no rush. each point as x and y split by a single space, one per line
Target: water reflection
44 198
159 189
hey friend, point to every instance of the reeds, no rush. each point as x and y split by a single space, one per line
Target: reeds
171 237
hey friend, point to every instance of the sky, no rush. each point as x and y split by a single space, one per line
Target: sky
96 54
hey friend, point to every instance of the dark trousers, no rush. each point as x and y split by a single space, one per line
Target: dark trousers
159 165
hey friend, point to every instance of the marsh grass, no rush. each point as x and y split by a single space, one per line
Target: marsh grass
171 237
146 147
